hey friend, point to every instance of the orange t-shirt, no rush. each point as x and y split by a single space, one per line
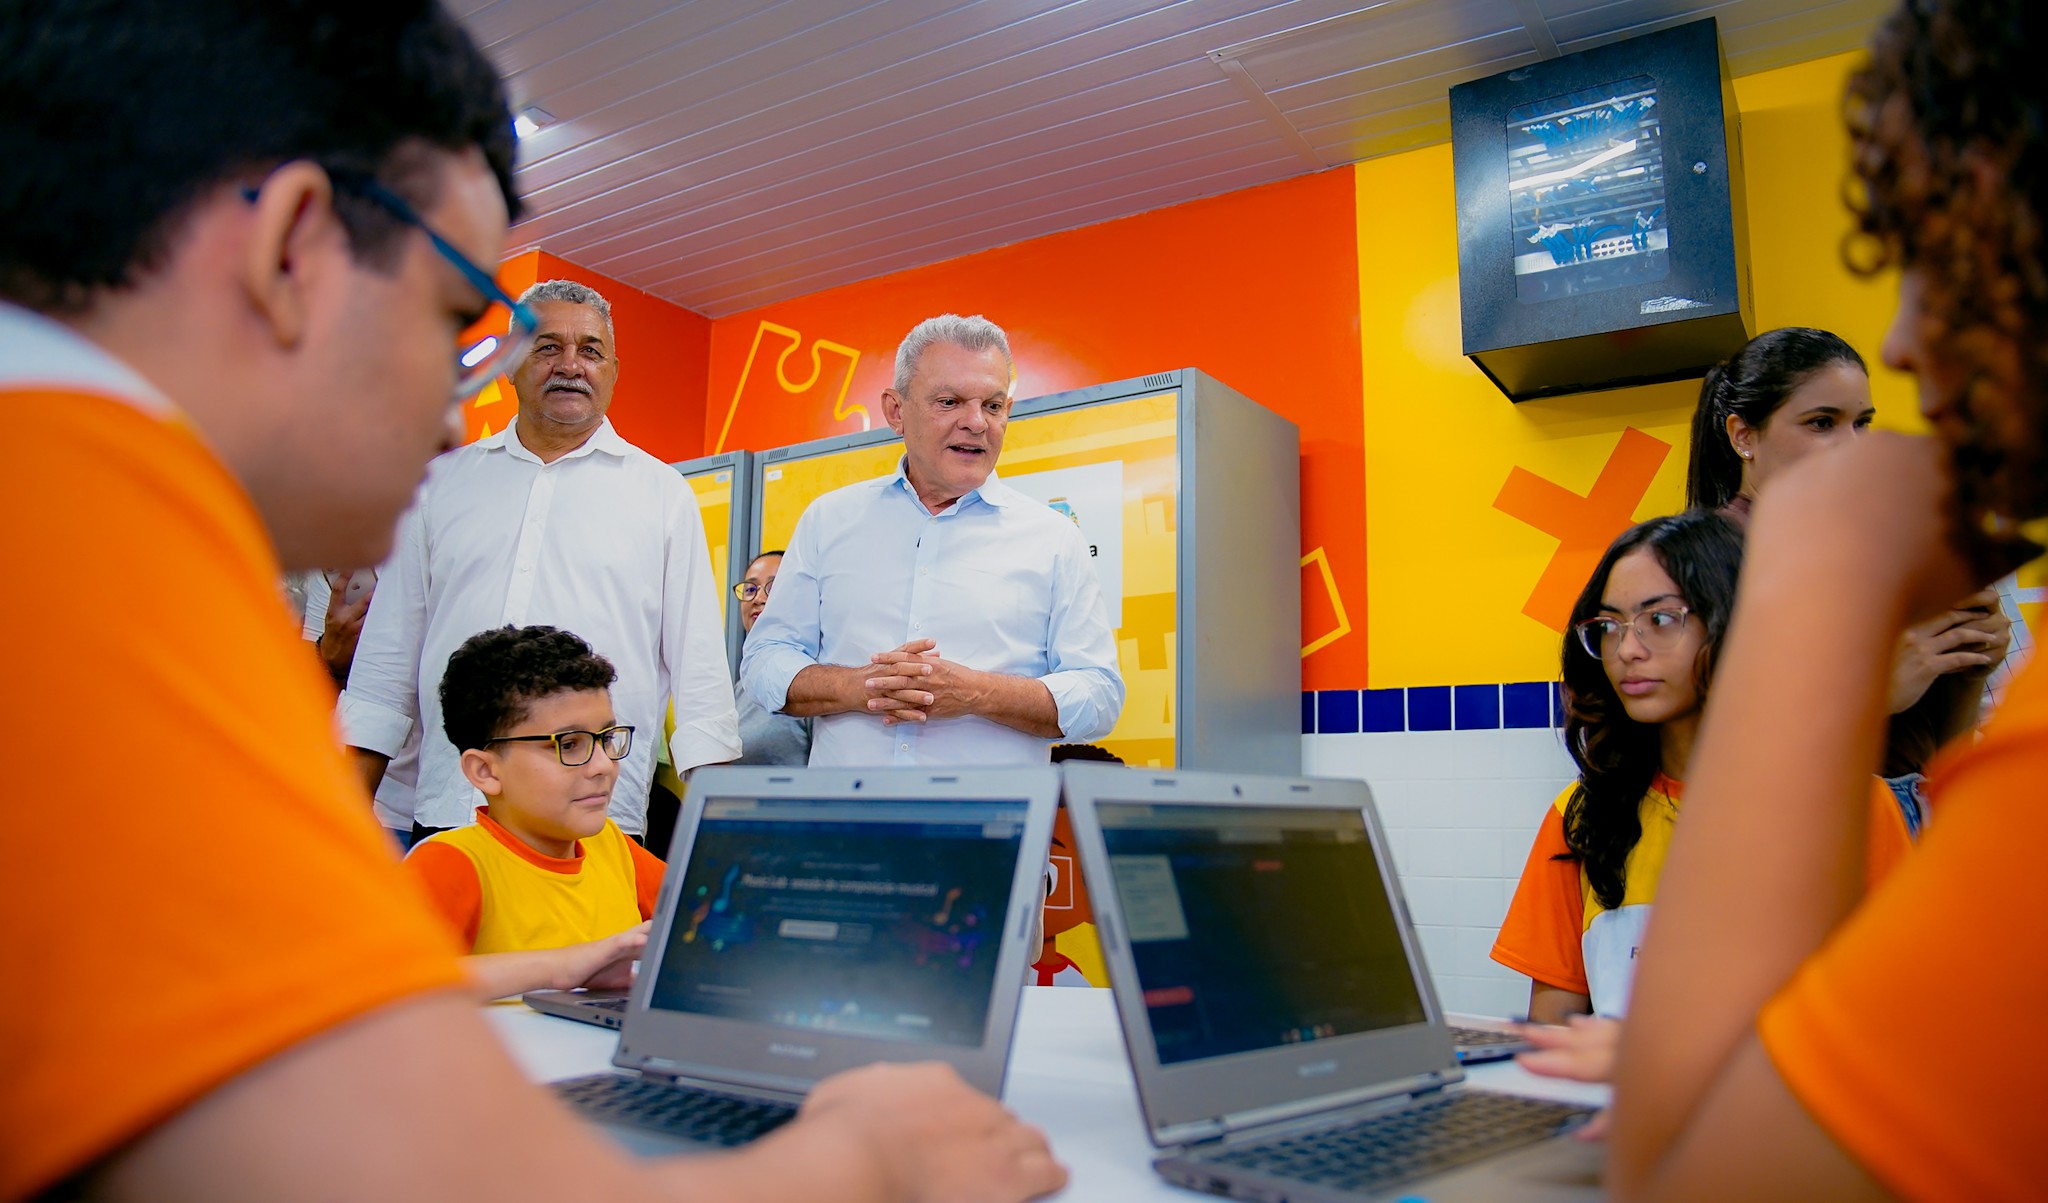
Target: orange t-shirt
1909 1036
450 876
203 885
1543 935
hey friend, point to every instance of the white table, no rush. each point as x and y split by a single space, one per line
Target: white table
1068 1075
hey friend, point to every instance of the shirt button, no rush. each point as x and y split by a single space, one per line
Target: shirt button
902 747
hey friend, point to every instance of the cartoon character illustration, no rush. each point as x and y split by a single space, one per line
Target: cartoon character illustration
1067 913
1071 954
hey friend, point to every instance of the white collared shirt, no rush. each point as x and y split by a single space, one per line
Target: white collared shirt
1000 581
604 542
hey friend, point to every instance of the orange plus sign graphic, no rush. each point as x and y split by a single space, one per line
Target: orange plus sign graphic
1584 526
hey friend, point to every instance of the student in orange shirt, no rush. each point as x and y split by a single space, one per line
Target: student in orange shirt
544 889
1789 1037
1637 662
239 240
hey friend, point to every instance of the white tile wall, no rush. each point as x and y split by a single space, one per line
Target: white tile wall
1461 809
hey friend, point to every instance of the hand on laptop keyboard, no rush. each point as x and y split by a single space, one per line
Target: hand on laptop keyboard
1582 1049
933 1136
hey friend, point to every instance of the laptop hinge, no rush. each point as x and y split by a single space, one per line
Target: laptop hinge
673 1073
1199 1132
1322 1105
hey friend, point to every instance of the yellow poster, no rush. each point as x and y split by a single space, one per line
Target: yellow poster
1114 469
714 507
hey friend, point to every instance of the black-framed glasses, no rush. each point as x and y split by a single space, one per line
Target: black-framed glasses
483 361
750 590
575 748
1657 630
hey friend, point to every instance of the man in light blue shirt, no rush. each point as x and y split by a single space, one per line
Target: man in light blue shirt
938 616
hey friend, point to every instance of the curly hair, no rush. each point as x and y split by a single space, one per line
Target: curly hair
1617 756
1949 124
1752 384
492 678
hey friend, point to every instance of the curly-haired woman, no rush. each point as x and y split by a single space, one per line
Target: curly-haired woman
1789 1038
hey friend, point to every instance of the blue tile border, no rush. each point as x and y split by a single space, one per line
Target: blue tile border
1510 705
1336 711
1429 708
1475 707
1382 710
1525 704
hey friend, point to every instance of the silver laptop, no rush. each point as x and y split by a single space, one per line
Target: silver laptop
815 920
1279 1017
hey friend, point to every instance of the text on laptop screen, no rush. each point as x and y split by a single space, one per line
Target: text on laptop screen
1254 927
874 918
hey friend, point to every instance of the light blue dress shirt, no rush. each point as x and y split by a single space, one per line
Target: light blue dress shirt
999 580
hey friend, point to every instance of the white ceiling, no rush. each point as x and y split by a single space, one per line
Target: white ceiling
724 155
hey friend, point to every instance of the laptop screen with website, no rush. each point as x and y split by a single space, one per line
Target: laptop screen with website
872 918
1253 927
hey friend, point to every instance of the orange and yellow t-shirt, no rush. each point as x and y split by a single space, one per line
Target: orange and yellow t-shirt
218 891
1555 916
1909 1035
500 894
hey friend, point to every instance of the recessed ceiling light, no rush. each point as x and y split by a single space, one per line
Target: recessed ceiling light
530 119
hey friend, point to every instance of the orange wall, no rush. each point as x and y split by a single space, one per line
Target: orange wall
1258 288
664 354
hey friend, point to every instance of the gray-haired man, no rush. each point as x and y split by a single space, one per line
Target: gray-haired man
938 616
554 520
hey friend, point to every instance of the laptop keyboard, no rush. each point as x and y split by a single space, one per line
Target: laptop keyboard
608 1004
1401 1146
694 1114
1483 1037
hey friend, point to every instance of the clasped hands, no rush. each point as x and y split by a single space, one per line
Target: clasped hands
1971 636
914 684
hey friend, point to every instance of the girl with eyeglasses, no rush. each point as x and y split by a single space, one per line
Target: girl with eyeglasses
1638 658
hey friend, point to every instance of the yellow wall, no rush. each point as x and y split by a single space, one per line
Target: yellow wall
1456 593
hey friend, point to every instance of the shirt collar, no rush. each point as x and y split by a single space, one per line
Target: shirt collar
525 851
991 492
604 439
41 352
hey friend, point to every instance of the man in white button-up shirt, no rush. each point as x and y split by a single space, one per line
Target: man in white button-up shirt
938 616
555 520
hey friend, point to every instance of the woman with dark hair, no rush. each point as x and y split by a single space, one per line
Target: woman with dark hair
1638 659
1790 1038
1786 394
1738 442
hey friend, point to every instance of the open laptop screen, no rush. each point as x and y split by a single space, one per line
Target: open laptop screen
1255 926
871 918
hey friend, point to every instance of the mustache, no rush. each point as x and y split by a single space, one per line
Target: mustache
570 383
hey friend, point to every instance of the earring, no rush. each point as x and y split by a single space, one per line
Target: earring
1743 454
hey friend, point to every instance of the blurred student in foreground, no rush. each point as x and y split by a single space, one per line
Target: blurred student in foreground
1776 1045
238 344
